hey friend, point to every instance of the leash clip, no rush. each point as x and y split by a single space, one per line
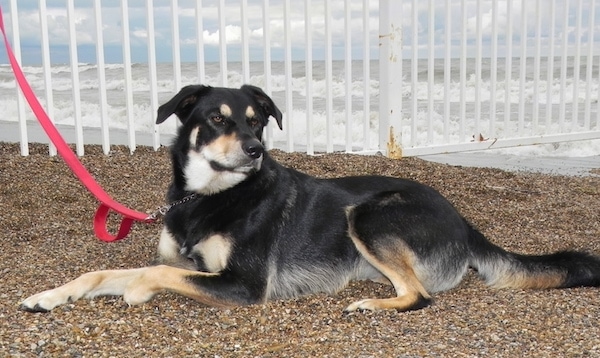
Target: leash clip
163 210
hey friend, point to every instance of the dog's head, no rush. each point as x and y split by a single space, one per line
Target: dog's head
220 141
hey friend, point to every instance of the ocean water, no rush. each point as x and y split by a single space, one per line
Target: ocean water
429 126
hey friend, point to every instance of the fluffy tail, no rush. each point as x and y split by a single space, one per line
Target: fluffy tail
503 269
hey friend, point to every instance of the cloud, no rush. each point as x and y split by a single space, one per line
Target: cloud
186 12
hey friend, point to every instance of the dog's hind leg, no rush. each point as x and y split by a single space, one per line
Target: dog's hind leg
395 260
397 266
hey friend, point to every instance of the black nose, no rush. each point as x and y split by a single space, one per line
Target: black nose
253 148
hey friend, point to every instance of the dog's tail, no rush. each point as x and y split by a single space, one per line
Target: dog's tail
503 269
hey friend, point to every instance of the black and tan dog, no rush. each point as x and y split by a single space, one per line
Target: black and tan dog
255 230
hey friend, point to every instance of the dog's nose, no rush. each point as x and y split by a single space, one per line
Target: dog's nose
253 148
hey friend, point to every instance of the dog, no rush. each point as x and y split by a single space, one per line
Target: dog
244 229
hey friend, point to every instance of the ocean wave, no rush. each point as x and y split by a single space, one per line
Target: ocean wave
429 124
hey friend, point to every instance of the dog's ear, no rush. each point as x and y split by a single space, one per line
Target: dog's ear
181 104
266 103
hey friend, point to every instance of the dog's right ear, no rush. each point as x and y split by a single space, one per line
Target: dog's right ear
181 104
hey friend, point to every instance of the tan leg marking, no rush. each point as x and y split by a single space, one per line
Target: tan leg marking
397 266
166 278
135 285
399 303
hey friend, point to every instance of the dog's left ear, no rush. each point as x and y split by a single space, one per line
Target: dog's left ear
182 104
266 103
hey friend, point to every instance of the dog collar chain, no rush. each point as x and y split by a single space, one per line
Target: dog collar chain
163 210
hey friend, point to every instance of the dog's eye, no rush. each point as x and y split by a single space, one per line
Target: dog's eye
253 122
218 118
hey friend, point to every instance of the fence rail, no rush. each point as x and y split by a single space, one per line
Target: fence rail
403 77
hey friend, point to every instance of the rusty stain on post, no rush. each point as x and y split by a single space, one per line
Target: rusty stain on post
394 150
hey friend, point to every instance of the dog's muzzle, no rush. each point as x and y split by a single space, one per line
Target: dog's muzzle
253 151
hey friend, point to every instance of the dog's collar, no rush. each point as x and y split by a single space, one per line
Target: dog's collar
163 210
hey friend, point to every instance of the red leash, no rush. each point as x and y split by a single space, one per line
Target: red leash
106 202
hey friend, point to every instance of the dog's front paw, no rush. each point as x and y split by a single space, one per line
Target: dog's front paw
43 301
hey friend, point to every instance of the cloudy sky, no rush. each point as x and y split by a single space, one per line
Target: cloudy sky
29 26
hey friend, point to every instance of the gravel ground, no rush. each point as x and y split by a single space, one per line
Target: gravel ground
46 216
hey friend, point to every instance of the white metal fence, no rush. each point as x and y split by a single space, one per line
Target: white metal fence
405 77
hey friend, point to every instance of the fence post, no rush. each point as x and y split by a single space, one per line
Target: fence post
390 78
23 136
